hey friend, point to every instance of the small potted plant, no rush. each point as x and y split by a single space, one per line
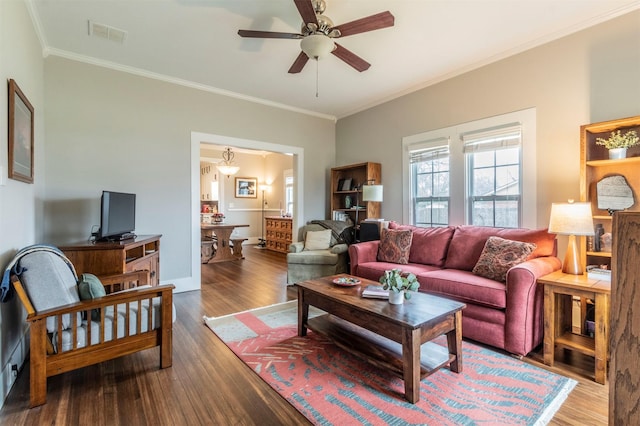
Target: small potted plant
618 143
399 285
218 217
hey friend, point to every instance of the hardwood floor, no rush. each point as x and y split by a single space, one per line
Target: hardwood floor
207 384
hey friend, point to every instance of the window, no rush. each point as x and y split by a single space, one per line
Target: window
430 182
288 191
472 173
493 176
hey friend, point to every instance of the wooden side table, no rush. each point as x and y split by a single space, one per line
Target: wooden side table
116 257
559 286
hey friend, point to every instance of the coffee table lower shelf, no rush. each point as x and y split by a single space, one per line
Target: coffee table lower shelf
378 350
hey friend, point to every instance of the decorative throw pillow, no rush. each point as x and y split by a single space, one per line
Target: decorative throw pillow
90 287
317 240
395 246
429 245
499 255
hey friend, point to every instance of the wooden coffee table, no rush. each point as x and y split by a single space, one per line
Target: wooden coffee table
396 337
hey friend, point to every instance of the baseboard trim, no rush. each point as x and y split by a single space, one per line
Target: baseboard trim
9 373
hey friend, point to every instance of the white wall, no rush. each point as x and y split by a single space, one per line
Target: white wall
21 214
590 76
108 129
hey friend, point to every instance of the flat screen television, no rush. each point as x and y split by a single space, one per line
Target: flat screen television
117 216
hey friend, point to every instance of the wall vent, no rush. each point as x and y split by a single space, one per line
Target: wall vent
106 31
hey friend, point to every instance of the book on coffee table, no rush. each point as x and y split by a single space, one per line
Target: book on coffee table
375 292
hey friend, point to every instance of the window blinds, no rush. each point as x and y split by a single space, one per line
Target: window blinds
429 150
506 136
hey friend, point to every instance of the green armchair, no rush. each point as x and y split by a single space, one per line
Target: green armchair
308 264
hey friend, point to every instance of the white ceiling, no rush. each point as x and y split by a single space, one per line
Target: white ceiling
195 42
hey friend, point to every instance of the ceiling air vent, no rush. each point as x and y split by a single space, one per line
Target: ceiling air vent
105 31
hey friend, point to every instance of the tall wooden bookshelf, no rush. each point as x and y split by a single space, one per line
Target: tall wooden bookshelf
596 165
358 174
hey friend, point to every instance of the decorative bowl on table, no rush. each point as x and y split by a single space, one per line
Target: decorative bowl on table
346 281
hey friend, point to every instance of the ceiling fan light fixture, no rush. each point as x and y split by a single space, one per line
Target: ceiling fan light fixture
317 33
317 46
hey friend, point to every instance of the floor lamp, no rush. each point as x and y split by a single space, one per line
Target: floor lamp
263 242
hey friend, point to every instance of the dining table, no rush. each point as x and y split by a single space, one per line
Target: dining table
217 244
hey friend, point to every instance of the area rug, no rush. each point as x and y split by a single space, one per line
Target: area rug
332 387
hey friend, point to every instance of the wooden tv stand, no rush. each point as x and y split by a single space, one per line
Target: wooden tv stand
117 257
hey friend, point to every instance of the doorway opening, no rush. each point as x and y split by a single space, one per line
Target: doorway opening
198 138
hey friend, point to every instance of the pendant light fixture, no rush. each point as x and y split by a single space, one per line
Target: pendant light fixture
227 167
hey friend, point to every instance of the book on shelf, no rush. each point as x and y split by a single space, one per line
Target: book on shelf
375 292
338 215
599 274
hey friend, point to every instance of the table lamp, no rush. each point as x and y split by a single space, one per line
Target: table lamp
372 193
571 219
369 193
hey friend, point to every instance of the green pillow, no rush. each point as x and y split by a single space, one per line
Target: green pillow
90 287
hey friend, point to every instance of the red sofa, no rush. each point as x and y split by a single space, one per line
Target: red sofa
507 315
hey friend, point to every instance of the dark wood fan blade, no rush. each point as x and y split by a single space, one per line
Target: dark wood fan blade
267 34
351 58
370 23
306 11
299 63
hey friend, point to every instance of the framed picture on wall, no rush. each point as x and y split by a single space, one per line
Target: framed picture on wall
246 187
20 135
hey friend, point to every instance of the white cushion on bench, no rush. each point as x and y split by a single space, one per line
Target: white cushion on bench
67 335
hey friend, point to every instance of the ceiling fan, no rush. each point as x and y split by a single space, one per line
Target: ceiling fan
318 32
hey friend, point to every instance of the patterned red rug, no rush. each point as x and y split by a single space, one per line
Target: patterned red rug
332 387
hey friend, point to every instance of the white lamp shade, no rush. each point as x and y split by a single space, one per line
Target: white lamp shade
317 46
571 219
372 193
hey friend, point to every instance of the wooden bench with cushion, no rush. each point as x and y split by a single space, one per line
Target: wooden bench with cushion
67 333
